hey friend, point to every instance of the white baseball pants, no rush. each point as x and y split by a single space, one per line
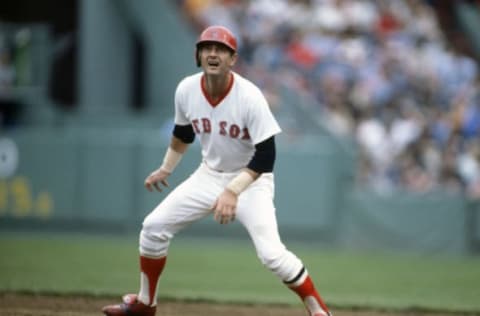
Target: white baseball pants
193 200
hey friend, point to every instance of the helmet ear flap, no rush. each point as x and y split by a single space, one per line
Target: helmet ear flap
197 57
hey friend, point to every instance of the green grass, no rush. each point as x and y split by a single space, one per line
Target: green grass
230 272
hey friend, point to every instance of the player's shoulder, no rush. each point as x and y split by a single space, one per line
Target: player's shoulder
190 81
249 88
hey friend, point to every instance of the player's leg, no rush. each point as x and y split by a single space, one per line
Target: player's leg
256 212
183 206
302 284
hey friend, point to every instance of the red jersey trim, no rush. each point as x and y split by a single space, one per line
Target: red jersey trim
212 102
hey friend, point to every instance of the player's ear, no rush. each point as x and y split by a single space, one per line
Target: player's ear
233 59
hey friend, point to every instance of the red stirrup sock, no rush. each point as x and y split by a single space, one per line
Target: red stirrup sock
303 286
150 268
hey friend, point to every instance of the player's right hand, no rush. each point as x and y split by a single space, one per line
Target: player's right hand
225 207
157 176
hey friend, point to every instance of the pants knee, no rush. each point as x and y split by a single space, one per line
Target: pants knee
154 242
284 264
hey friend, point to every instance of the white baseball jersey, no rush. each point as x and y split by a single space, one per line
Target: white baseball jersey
228 129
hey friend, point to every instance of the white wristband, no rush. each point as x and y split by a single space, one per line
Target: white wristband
171 160
240 182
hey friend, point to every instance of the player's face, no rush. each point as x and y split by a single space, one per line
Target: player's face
216 59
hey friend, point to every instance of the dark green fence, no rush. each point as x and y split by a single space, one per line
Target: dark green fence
92 180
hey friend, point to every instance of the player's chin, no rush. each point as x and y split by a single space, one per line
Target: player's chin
213 70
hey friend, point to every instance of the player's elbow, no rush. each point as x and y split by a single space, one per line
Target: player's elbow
263 159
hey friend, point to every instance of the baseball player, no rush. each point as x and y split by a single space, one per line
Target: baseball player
234 181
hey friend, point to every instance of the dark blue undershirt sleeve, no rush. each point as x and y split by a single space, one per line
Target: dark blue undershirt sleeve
264 158
185 133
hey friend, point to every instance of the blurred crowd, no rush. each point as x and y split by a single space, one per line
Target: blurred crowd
380 72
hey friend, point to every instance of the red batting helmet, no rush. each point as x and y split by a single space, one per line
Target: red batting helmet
217 34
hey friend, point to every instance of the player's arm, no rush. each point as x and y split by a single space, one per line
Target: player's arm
183 135
262 161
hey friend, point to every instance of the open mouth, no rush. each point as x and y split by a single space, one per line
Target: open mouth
213 63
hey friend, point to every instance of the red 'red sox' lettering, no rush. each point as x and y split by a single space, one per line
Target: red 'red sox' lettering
207 127
234 131
246 134
196 128
223 128
204 125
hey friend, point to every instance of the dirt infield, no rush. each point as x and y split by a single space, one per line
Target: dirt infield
41 305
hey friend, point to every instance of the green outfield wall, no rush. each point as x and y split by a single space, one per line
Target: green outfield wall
83 179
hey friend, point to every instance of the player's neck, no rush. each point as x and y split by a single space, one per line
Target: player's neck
217 86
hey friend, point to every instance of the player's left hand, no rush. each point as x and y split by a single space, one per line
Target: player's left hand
156 177
225 207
